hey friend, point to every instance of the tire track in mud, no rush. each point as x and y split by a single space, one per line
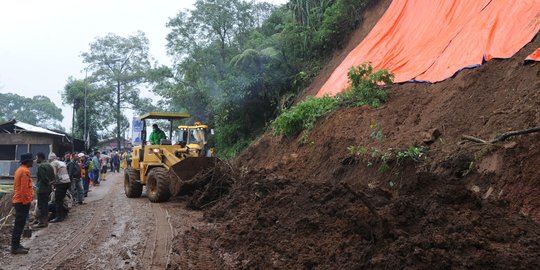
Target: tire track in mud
75 244
111 232
158 244
119 237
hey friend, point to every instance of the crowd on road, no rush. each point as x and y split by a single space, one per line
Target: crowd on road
61 183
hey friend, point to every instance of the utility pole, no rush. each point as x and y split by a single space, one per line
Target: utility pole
73 130
86 137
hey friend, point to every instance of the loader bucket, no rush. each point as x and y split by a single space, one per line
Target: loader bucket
189 167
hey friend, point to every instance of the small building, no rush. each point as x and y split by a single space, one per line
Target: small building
17 138
112 145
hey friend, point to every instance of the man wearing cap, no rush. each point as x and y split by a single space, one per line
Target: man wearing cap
23 194
61 185
156 135
45 178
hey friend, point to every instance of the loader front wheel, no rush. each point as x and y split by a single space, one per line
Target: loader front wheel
132 187
157 185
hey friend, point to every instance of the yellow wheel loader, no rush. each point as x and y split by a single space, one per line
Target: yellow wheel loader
164 167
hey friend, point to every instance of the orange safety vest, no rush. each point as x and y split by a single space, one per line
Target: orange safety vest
83 171
23 192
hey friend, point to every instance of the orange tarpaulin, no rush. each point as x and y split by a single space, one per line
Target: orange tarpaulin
426 40
535 56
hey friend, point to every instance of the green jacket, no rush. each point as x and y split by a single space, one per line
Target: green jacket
156 136
45 177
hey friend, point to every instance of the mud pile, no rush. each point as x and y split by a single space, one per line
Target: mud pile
270 221
206 188
5 205
6 221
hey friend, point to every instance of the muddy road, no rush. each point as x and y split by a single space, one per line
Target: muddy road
109 232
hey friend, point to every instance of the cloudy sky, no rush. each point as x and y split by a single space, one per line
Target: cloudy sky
41 41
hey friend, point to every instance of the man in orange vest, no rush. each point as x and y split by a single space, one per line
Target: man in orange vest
23 195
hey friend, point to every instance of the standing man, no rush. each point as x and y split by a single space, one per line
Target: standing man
156 135
116 162
85 167
75 174
128 159
104 162
96 166
22 197
45 178
61 186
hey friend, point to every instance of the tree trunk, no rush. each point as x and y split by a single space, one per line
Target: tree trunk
73 129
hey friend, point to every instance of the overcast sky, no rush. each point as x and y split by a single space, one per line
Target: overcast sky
41 41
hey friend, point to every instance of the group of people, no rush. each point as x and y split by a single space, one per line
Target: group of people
60 183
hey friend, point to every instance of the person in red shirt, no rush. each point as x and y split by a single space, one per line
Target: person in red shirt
23 194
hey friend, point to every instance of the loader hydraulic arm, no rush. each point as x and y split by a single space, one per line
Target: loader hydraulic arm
170 159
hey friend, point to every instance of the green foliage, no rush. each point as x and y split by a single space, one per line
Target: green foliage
338 20
413 153
236 61
376 132
357 150
365 86
38 110
303 115
229 135
387 160
365 92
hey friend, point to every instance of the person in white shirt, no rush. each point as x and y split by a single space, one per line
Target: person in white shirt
61 185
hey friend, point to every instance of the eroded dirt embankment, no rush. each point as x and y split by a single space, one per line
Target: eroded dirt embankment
466 206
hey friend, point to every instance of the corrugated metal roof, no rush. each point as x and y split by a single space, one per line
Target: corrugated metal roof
31 128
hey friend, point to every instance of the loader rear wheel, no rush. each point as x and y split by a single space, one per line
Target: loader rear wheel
132 187
157 185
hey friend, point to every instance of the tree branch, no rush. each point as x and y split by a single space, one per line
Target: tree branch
363 198
370 206
501 137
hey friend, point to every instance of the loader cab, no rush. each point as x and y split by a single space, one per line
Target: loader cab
193 137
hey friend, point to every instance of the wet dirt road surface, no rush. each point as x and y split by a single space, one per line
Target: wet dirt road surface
110 231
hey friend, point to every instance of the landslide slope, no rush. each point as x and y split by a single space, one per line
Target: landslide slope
465 206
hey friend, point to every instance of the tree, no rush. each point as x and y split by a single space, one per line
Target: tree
74 95
119 65
224 68
97 103
38 110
